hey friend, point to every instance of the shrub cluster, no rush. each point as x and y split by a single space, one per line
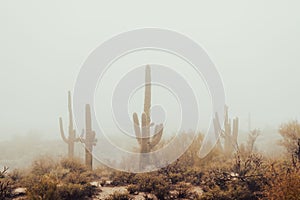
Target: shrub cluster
5 185
64 180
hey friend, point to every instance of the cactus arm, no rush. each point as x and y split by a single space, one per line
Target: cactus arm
157 135
72 132
147 97
226 120
137 129
235 129
88 118
62 131
70 112
144 137
144 125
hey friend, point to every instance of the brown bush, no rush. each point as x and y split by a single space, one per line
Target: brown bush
64 180
119 196
155 184
243 179
5 185
284 182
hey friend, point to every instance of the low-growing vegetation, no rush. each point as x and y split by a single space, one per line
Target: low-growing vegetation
244 175
48 179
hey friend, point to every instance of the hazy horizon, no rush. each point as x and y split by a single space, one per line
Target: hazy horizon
254 46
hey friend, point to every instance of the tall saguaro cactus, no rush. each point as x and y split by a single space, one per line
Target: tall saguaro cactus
142 131
71 139
90 138
230 133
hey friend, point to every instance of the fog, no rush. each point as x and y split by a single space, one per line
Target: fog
254 45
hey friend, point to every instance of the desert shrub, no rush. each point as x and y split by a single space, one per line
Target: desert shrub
5 185
284 187
284 176
121 178
284 181
47 188
194 176
290 133
75 191
43 165
183 190
119 196
77 178
132 189
175 171
244 179
155 184
74 165
16 175
190 157
180 172
43 187
64 180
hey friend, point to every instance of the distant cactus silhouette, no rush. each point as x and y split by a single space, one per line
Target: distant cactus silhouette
230 134
218 132
142 131
71 139
90 138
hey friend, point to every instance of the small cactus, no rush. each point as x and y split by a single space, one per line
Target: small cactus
71 139
142 131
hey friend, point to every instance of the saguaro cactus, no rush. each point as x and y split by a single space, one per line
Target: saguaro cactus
142 132
90 138
72 134
230 133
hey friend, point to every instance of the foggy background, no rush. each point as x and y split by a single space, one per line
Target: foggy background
255 46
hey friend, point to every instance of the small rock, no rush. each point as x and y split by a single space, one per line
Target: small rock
95 183
19 191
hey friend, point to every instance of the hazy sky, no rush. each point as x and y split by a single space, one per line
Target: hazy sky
255 46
